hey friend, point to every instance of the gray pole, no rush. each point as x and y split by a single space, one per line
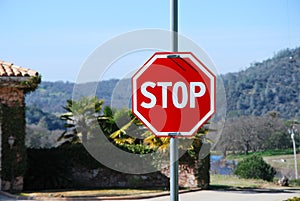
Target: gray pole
294 148
174 169
174 25
174 140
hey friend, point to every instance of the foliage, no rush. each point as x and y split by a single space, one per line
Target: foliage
81 118
162 143
38 136
52 96
251 134
293 199
294 182
14 158
119 125
123 138
271 85
278 152
37 116
32 83
254 167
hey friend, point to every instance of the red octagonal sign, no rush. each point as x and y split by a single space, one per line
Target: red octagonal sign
174 92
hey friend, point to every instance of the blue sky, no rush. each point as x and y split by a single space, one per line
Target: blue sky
55 37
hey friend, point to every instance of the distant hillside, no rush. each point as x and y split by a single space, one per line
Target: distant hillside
270 85
52 96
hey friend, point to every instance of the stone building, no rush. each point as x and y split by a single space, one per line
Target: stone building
15 82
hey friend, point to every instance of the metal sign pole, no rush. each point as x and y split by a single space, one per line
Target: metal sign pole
174 24
174 139
174 168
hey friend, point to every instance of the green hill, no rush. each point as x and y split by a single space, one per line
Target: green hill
270 85
52 96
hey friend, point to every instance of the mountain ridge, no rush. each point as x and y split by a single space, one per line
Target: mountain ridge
270 85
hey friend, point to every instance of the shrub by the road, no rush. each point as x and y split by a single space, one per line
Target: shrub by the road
293 199
254 167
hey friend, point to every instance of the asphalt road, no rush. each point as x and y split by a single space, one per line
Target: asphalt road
209 195
231 196
5 198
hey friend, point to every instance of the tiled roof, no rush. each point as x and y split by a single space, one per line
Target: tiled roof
10 70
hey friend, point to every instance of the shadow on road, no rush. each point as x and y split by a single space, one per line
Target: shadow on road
253 190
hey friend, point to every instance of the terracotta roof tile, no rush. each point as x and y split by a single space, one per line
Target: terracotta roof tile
10 70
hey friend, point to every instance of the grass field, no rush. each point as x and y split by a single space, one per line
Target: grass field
285 164
262 153
282 160
229 181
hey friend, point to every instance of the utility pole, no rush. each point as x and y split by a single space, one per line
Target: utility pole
292 133
174 139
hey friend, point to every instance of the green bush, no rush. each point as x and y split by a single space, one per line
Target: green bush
293 199
254 167
295 182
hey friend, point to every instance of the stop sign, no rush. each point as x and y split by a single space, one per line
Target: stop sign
173 93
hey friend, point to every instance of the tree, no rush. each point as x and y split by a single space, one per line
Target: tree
252 133
40 137
254 167
81 118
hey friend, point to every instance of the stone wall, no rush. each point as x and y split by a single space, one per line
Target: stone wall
186 176
106 178
11 96
192 172
71 166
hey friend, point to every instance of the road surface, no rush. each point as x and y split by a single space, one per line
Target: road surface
209 195
231 196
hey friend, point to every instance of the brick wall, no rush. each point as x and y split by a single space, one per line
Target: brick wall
12 122
11 96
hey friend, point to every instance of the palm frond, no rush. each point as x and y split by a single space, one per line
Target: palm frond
61 136
121 130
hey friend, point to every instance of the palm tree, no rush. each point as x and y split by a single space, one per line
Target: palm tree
162 143
122 135
116 124
81 118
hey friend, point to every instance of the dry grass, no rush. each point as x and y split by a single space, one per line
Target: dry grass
284 163
91 193
235 182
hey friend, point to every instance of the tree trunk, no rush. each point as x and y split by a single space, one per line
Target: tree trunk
203 176
225 153
247 147
84 137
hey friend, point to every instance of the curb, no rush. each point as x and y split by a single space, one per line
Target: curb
125 197
17 197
